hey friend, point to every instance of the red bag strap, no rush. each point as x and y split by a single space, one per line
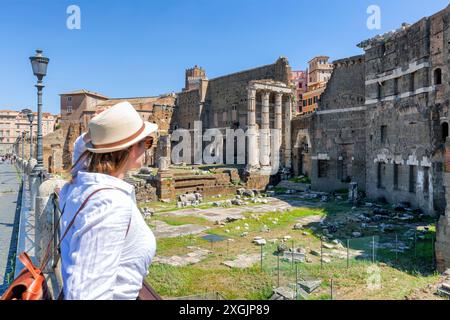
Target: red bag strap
47 254
26 261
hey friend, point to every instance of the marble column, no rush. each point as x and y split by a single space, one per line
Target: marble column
287 133
265 133
278 133
252 134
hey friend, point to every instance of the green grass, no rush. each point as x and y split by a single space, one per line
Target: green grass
248 284
285 219
412 271
305 180
179 221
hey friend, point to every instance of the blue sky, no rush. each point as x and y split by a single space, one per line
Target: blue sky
142 47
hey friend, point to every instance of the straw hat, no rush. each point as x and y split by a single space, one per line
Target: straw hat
117 129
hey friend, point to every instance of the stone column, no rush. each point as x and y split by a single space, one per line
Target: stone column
278 111
442 246
265 134
252 134
278 130
287 133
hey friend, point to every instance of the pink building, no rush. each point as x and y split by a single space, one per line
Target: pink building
300 80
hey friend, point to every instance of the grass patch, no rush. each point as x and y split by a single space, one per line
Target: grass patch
248 284
303 179
183 220
284 219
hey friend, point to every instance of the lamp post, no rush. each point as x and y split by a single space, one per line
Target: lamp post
39 64
24 134
30 116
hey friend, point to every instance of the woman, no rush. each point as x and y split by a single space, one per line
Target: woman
108 249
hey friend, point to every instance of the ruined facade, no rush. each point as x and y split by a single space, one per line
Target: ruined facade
255 99
382 122
78 108
405 100
329 145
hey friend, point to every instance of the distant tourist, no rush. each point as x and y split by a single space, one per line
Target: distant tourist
108 247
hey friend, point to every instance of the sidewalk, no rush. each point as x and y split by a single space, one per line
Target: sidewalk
9 218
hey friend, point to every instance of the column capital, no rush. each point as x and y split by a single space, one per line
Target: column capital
251 93
266 94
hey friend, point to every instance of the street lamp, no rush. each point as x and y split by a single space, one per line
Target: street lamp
30 116
24 134
39 64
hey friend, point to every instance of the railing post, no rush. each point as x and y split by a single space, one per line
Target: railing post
44 217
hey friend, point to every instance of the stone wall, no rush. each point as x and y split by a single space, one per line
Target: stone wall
404 159
224 99
443 225
334 137
301 145
228 94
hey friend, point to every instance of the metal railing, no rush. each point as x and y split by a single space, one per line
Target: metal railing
56 230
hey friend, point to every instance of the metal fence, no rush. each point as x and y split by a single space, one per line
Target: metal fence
298 268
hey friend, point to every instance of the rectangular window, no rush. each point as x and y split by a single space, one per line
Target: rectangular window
412 82
340 170
322 167
380 174
396 88
304 103
396 169
426 181
69 99
380 90
383 134
412 179
69 109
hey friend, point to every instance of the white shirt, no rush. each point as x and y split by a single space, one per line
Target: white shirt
98 261
79 147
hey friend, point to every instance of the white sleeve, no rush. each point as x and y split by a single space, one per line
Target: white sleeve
97 247
78 148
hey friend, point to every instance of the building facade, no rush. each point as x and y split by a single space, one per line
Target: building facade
383 122
319 72
255 100
13 123
300 81
78 108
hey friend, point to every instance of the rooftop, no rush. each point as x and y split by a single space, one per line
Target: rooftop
84 91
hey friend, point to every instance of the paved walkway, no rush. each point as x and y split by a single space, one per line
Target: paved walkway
9 191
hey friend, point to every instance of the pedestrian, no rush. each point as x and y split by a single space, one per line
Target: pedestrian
106 245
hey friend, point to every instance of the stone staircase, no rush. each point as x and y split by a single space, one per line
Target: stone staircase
444 290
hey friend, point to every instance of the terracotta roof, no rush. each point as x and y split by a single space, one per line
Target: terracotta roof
84 91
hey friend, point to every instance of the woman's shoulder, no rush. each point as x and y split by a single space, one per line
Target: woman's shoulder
105 205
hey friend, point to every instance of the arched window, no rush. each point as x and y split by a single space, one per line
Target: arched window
444 131
437 76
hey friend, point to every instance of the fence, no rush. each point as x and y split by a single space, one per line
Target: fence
300 269
38 220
